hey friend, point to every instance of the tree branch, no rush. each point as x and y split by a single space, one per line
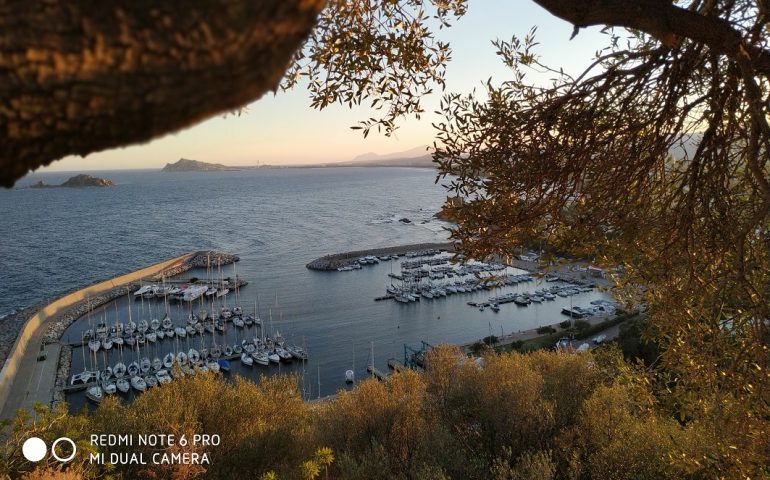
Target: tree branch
661 19
82 76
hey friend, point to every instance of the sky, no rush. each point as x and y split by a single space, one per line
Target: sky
283 129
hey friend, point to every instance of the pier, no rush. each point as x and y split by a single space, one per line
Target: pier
376 373
335 261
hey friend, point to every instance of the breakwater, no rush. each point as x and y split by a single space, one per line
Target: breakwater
335 261
44 324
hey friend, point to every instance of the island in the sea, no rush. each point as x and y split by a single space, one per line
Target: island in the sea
187 165
78 181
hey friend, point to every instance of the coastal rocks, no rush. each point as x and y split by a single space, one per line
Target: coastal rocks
11 326
404 220
62 375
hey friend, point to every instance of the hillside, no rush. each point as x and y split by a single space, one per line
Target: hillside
78 181
187 165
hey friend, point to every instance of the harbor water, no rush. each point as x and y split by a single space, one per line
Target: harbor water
276 220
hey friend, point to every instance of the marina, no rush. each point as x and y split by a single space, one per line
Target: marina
332 314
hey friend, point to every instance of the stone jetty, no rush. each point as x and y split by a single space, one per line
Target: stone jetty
333 262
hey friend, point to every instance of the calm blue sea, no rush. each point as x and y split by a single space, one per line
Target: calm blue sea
276 220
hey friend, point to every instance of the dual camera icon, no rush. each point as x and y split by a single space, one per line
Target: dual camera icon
34 449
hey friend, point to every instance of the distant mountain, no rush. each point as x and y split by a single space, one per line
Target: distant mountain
417 157
78 181
187 165
416 152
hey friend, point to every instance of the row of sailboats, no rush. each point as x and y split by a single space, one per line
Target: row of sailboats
140 373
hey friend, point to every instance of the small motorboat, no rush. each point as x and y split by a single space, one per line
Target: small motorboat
350 376
181 358
168 360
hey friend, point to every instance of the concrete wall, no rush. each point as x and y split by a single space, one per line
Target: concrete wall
28 342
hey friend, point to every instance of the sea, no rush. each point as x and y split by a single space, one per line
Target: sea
276 221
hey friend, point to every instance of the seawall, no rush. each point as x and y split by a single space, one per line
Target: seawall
21 361
333 262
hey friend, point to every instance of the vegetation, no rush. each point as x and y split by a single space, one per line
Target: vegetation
539 415
545 330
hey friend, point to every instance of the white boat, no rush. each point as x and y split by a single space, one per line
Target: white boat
118 340
180 332
95 394
133 369
190 330
109 387
94 345
155 324
86 376
261 358
222 291
168 360
181 358
145 365
151 381
143 326
349 376
297 352
138 383
213 366
160 334
151 337
163 377
228 351
193 292
142 291
169 332
216 352
239 322
225 313
166 323
119 370
281 352
130 327
274 357
157 364
246 359
122 385
129 339
549 296
107 343
193 355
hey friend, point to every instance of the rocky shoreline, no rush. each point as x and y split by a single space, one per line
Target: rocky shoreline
13 324
333 262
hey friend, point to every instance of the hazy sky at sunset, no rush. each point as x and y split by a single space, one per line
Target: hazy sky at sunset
283 129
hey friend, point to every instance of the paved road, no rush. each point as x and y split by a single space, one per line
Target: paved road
34 381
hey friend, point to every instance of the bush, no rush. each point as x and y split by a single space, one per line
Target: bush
545 330
582 325
565 324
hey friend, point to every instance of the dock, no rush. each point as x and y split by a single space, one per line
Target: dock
396 365
379 375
